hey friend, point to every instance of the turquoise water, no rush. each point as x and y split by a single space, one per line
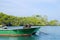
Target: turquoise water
44 33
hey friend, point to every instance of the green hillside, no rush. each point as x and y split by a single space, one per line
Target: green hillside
36 20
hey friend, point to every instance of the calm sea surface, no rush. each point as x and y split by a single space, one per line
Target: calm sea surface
44 33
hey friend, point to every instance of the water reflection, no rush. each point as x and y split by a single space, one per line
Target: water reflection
23 38
33 37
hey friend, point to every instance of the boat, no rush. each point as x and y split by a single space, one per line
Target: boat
26 30
18 31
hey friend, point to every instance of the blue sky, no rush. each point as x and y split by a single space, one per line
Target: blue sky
51 8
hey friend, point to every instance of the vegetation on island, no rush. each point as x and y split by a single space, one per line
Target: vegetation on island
35 20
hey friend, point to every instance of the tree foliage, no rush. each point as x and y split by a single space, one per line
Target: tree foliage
36 20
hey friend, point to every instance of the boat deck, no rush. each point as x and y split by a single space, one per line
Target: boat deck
15 28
